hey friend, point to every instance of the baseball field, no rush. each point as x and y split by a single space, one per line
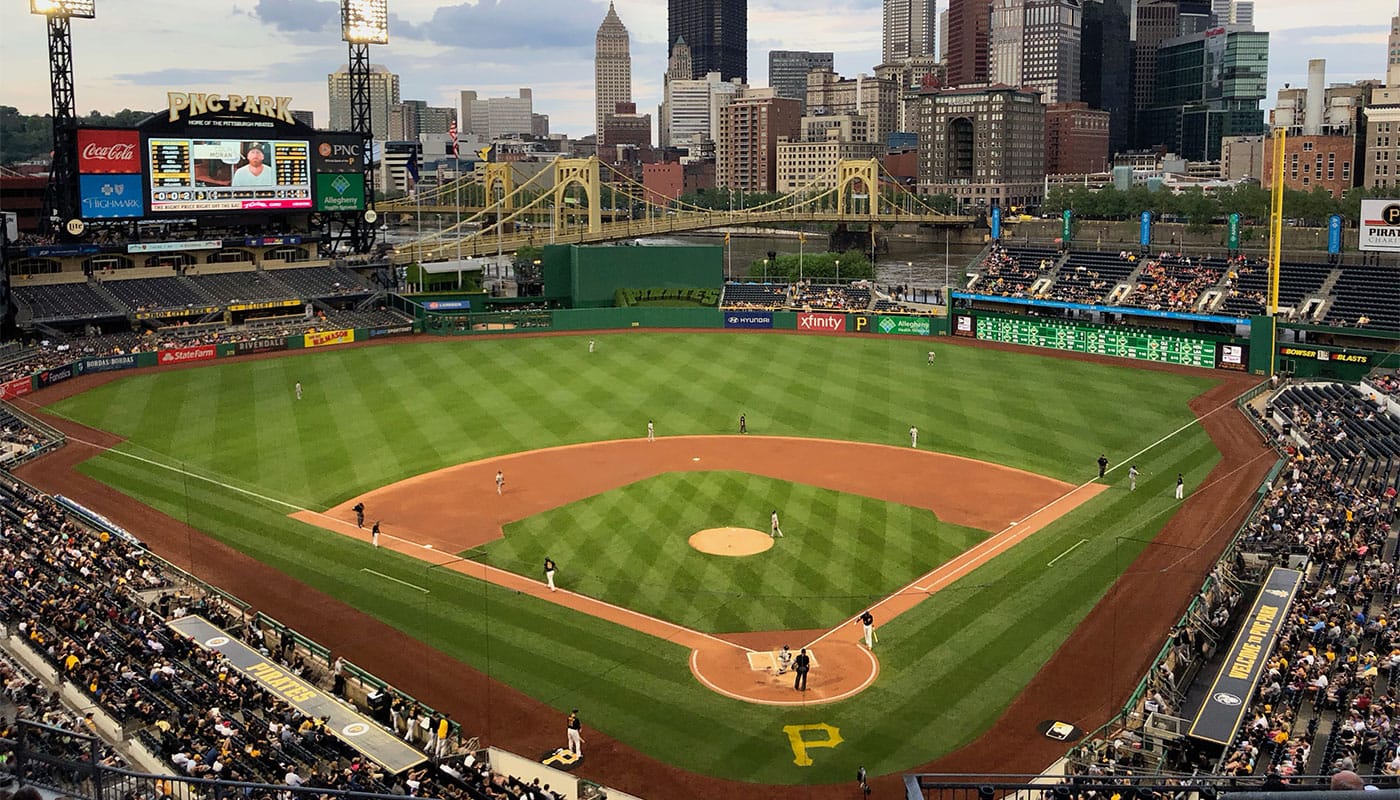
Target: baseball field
418 430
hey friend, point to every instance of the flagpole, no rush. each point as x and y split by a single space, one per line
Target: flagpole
457 176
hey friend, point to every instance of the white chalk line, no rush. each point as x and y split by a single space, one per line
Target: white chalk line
395 580
1071 549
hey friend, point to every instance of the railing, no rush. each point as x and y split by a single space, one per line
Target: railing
53 438
1194 787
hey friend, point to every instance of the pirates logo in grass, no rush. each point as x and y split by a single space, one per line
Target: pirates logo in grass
561 758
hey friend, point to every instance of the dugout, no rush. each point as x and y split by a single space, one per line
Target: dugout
589 277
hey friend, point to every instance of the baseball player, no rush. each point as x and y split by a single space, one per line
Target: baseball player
773 529
651 431
784 660
867 620
913 436
549 568
359 515
1180 486
575 734
1132 478
743 424
374 534
930 356
590 345
500 482
298 390
1103 464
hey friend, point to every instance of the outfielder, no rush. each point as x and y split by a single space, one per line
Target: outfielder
298 390
913 436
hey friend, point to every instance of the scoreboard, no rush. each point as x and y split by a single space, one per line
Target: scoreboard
1163 347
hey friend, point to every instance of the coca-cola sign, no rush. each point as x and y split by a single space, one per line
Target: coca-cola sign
109 152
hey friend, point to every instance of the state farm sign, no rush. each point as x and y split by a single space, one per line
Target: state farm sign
180 355
821 323
109 152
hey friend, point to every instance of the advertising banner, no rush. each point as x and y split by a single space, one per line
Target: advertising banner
264 304
748 319
339 154
176 312
16 388
259 346
109 152
111 196
1233 232
61 250
1380 226
1068 228
1334 234
1145 229
335 192
996 222
448 305
1232 356
965 326
58 374
1220 716
1319 354
326 338
270 241
904 326
182 355
109 363
397 330
171 247
821 323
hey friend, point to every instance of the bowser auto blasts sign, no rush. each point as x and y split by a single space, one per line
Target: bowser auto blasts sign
16 388
109 152
821 323
181 355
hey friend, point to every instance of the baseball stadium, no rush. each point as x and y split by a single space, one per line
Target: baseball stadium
302 501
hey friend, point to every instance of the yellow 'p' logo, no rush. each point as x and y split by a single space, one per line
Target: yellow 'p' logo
800 744
563 758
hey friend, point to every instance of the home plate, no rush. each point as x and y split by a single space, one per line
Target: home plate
428 546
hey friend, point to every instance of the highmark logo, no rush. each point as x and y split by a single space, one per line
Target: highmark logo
887 325
340 184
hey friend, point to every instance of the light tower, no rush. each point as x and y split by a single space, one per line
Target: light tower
363 23
60 200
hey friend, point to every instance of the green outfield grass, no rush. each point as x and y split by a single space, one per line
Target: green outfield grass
375 415
838 554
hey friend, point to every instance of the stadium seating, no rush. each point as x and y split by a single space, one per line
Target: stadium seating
310 283
1367 296
754 295
1013 271
1174 282
66 302
155 294
833 297
1088 277
1248 283
243 287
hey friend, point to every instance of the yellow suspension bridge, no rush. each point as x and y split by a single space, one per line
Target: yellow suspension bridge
497 216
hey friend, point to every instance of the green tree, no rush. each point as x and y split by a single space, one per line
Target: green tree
819 267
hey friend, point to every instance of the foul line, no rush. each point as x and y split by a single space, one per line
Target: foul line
395 580
1052 561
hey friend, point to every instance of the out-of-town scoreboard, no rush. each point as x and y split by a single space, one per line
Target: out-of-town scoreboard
1191 351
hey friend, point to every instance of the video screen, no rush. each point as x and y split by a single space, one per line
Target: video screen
190 175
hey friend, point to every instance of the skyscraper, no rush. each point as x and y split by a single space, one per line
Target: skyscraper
969 23
1392 70
1036 43
1106 67
910 29
1233 12
612 69
717 32
1209 86
383 96
787 72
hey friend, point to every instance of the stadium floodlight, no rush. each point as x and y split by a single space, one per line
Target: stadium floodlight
82 9
363 21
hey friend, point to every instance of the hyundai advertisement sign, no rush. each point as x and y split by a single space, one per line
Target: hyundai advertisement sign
748 319
111 196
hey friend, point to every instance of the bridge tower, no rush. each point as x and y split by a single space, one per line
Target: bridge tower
500 173
581 172
852 174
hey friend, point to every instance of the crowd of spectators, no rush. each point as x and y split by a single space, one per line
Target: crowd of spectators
1006 274
1247 299
805 294
1387 383
1173 282
1081 284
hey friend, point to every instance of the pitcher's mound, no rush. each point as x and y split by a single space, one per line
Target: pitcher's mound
731 541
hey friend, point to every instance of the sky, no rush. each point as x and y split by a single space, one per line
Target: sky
134 51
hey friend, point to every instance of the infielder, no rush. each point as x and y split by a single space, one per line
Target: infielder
549 568
773 529
374 534
500 482
651 431
867 620
913 436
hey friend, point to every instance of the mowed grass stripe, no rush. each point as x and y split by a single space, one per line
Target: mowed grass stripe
1044 415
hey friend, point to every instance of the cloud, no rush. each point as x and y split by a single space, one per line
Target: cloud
297 16
181 76
508 24
1377 37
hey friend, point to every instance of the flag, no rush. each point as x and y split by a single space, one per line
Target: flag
801 237
726 237
412 166
452 131
484 153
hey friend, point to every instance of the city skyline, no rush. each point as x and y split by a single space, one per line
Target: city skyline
547 45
